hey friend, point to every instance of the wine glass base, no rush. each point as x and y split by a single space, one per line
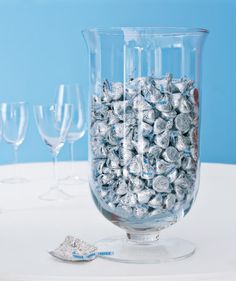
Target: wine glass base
72 180
72 185
160 251
17 180
55 194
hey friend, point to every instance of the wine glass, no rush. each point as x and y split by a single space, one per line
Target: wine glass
53 123
72 94
14 119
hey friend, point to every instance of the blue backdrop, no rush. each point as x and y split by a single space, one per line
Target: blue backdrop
41 46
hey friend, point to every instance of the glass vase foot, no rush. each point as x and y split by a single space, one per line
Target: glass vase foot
147 252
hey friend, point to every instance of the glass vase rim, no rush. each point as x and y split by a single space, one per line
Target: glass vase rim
152 30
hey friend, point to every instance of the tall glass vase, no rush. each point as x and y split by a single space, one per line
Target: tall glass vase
144 135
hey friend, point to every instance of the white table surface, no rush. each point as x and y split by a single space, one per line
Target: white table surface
29 227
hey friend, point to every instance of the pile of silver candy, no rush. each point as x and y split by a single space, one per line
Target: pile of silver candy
144 145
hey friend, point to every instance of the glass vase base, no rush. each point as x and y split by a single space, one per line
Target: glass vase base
160 251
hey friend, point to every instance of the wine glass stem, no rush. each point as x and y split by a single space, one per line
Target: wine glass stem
72 158
54 161
15 148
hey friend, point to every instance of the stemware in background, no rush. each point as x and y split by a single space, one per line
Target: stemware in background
53 123
14 119
72 94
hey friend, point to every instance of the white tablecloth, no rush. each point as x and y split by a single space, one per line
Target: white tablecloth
29 227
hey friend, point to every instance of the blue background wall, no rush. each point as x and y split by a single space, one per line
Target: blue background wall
41 46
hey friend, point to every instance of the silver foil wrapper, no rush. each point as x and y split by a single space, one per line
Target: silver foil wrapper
73 249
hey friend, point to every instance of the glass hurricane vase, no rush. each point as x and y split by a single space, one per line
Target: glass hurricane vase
144 135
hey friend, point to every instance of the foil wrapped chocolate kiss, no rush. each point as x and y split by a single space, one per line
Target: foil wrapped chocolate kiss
144 145
74 249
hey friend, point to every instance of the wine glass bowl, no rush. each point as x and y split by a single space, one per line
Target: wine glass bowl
52 122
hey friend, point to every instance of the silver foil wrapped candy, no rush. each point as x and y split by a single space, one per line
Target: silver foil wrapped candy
144 137
73 249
